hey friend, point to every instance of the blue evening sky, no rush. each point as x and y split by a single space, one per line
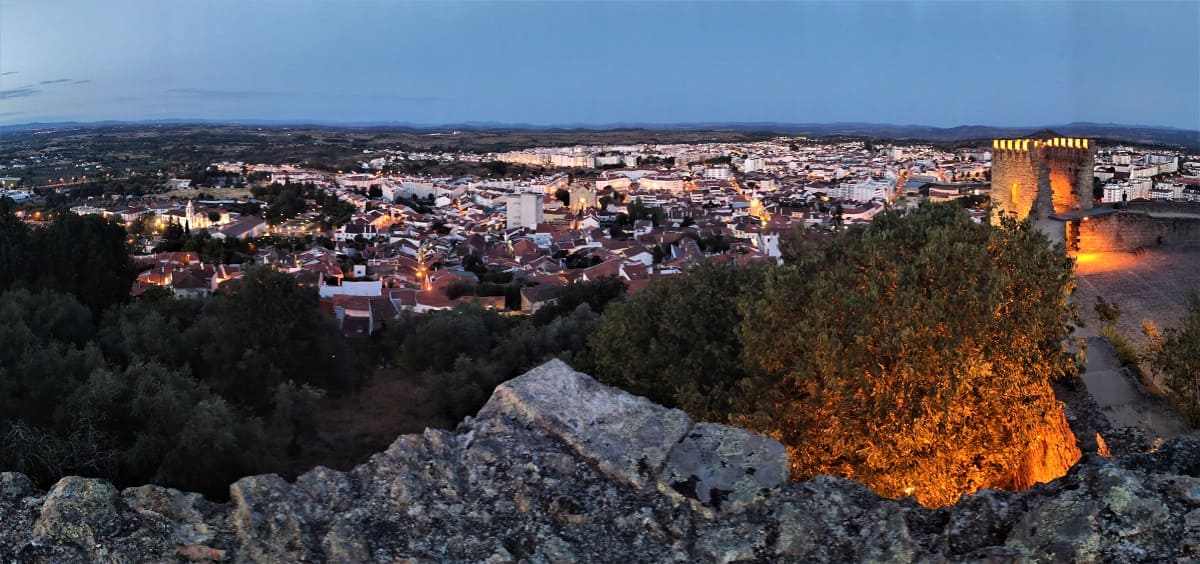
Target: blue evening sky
931 63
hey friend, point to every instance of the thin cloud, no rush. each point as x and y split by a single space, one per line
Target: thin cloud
403 98
84 81
55 81
19 92
10 114
206 93
247 94
7 73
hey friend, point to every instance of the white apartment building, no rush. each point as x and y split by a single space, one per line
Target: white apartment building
753 164
667 182
864 191
720 172
1135 189
524 209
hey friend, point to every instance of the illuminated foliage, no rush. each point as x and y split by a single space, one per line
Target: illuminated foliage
914 354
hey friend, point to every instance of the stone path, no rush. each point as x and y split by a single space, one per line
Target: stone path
1124 402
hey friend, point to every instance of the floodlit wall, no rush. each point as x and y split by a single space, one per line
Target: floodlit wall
1041 177
1130 231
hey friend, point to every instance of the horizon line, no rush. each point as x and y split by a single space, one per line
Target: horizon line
477 124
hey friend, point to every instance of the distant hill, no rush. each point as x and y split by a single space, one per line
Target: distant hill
1135 134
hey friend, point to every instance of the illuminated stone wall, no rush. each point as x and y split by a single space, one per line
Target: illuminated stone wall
1130 231
1041 177
1071 171
1014 180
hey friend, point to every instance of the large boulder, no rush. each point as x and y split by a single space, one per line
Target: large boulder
558 467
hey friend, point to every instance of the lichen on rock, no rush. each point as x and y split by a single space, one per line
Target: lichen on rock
558 467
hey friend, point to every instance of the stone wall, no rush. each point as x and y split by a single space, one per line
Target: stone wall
1128 231
1070 177
1162 207
1014 182
559 468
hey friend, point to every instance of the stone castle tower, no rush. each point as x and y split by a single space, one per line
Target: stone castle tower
1041 175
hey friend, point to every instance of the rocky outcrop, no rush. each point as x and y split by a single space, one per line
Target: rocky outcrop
558 468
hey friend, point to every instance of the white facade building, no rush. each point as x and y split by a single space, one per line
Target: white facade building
524 209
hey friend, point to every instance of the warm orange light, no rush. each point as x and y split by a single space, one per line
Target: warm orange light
1097 262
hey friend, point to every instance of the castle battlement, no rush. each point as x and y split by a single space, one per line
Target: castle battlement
1027 144
1041 176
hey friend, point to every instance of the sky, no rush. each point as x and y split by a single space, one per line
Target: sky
574 63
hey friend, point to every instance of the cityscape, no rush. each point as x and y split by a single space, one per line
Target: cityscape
421 242
375 281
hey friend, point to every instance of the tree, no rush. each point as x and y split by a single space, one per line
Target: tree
141 227
563 196
14 244
288 204
914 354
80 255
596 294
1108 312
214 448
270 331
44 354
434 341
296 408
675 342
1174 356
135 333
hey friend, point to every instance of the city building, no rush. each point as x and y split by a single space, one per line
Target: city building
524 209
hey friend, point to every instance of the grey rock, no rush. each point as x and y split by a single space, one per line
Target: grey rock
14 485
559 468
627 436
725 468
79 511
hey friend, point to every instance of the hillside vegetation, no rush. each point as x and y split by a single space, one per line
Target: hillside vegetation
914 354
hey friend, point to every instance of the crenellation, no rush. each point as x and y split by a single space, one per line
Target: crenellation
1041 177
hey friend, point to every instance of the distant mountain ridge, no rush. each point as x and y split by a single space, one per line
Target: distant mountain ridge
1137 134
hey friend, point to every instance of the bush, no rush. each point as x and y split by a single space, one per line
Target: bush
1175 357
913 354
